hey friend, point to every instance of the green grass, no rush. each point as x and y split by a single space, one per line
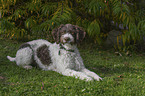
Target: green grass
122 75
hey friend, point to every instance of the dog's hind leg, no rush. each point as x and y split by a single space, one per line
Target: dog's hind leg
24 57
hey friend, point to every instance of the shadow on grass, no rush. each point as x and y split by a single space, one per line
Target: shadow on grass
118 70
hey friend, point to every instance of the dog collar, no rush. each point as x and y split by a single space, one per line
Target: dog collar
62 47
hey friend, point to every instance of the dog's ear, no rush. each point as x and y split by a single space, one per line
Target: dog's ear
56 33
80 34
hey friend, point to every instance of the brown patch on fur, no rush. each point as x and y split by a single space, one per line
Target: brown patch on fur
24 46
43 54
56 33
61 40
80 34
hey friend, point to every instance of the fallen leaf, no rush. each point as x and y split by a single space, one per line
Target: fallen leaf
55 86
121 76
1 77
117 53
42 87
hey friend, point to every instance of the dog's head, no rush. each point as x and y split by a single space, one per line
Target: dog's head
68 33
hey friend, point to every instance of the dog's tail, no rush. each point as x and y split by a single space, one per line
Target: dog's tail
10 58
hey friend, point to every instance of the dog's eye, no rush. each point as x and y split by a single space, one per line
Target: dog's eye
62 32
72 33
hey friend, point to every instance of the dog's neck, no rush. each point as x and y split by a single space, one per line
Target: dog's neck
67 46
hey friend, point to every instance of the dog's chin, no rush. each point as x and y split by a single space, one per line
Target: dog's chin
68 43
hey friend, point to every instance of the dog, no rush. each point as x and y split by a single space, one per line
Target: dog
62 56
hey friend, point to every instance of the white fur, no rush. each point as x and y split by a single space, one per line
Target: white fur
67 63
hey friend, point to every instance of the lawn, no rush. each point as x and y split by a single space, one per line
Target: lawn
122 75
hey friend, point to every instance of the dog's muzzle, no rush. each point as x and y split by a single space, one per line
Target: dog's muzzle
67 38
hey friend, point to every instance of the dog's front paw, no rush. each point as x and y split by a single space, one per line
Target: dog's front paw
98 78
88 79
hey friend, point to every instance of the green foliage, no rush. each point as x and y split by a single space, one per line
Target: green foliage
95 7
93 28
30 18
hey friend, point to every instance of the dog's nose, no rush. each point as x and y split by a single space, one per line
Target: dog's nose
66 38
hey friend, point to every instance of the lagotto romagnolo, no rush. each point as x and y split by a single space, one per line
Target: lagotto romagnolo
62 56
